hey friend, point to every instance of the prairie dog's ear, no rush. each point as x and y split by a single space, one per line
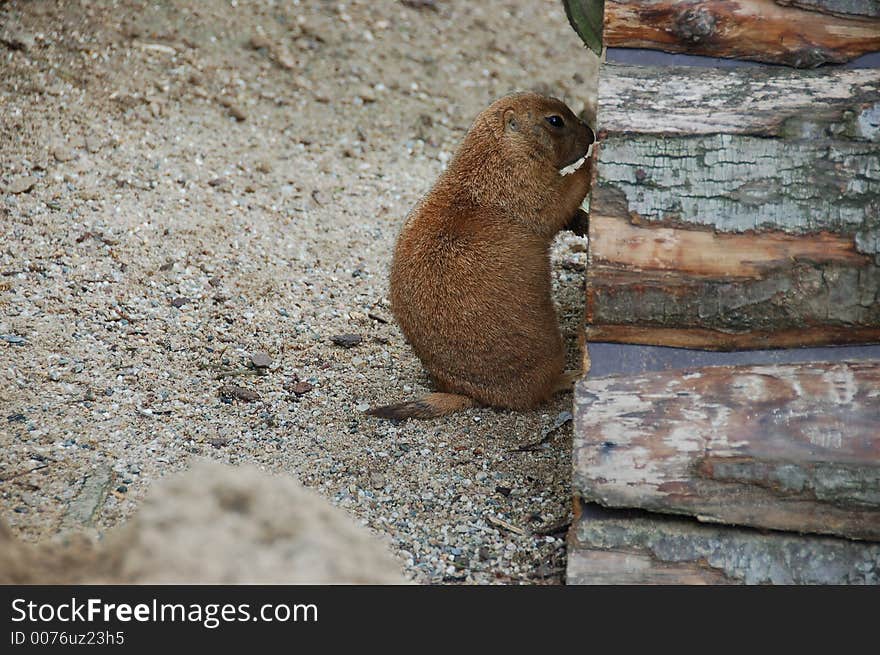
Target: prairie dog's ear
510 122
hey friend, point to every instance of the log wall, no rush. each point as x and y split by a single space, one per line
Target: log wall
733 209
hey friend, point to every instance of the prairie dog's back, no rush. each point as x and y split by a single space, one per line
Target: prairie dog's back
470 281
473 299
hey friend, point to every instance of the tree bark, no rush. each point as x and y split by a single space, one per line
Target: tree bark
736 209
799 33
631 547
787 447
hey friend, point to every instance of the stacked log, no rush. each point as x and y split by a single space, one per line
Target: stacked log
631 547
789 449
736 208
798 33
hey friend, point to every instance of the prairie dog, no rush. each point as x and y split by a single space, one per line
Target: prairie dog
470 281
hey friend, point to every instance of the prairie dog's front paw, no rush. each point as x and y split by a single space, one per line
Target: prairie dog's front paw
579 223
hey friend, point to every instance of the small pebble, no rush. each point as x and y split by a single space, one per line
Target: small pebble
93 144
24 41
377 479
301 388
21 184
236 112
259 42
62 153
347 340
261 359
230 392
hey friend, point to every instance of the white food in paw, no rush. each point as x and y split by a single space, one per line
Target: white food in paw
571 168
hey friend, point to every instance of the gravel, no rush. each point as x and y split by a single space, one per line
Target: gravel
197 197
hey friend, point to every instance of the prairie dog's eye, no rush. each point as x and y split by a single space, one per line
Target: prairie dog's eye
555 121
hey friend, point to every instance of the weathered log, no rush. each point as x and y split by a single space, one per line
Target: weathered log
627 359
736 208
800 33
631 547
762 101
788 447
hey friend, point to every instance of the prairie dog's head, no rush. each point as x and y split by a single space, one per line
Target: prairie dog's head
544 129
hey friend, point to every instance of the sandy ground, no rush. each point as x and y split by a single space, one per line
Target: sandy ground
192 190
212 524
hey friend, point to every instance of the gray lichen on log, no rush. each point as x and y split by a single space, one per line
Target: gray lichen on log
778 150
619 546
851 484
739 183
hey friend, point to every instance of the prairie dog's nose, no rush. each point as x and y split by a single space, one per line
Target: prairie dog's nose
591 136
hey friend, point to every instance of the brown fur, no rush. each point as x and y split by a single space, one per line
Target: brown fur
470 280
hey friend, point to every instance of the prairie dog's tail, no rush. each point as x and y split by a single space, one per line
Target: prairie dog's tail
430 406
